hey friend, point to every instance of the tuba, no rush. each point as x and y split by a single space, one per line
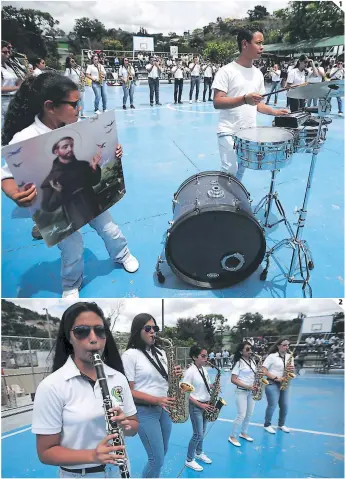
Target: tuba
180 390
259 380
287 375
215 401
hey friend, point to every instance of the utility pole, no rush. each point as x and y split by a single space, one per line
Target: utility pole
49 332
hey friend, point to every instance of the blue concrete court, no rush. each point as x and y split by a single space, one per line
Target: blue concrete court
314 447
163 146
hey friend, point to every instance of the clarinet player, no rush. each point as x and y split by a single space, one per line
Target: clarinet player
146 368
277 364
243 375
68 415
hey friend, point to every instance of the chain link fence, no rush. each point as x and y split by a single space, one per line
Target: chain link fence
25 361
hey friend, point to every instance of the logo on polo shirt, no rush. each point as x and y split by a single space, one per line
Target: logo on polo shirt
116 392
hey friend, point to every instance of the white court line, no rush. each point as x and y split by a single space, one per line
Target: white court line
171 107
291 429
17 432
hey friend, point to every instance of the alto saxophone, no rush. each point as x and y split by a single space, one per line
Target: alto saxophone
215 401
259 379
287 375
100 76
179 390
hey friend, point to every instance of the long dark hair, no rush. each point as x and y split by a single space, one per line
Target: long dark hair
237 354
195 350
123 61
302 58
135 340
68 63
29 100
274 347
64 348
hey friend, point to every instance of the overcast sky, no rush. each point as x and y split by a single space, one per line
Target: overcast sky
184 308
156 16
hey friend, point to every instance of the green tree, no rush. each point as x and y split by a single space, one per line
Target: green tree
92 29
259 13
220 52
112 44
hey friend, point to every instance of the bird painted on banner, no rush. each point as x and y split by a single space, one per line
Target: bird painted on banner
17 165
109 131
102 145
110 124
94 118
15 152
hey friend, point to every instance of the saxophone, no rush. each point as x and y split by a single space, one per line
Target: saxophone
287 375
100 76
179 390
130 77
259 379
215 401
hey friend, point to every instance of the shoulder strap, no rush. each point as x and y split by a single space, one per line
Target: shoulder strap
158 365
201 371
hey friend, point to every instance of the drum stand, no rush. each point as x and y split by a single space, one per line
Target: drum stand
301 251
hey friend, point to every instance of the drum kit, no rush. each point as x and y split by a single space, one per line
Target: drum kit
215 239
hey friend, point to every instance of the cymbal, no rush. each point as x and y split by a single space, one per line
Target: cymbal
317 90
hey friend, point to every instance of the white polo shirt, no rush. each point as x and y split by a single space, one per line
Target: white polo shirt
178 72
154 72
196 70
66 403
8 78
275 364
94 71
245 373
193 377
296 77
37 71
208 73
74 74
145 376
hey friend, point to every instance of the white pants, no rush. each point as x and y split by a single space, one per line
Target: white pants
245 406
228 158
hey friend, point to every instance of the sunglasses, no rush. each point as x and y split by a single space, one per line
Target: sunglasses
147 329
75 104
204 356
82 332
6 52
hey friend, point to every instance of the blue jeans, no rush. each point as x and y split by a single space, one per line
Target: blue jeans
275 396
314 100
340 104
72 249
199 424
194 81
129 91
154 89
154 432
245 406
274 87
100 90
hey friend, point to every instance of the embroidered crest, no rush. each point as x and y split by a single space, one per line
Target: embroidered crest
116 392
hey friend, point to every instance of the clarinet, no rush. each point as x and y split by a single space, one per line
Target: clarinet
112 427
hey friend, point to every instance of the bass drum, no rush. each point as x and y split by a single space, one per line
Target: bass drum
214 240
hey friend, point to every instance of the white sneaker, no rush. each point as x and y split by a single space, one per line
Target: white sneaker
269 429
194 465
71 293
340 114
235 442
198 101
247 438
202 457
284 428
131 264
97 112
104 111
190 101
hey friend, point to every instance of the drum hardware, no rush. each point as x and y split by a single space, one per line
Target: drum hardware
214 240
323 90
301 256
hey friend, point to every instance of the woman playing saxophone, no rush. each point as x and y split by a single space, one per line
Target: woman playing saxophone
76 74
199 400
68 415
279 368
127 78
147 370
243 376
97 74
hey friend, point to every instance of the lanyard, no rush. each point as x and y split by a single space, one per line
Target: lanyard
159 366
202 374
248 364
282 358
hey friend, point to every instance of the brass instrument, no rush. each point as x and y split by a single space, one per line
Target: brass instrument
179 390
287 375
259 379
130 77
215 401
22 71
100 76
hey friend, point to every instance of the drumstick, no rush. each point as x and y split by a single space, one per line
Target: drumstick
284 89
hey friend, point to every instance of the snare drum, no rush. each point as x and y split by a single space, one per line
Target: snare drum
264 147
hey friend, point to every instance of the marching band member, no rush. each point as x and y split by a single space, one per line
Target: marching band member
296 76
76 74
275 73
243 374
42 104
9 80
177 71
238 89
194 68
39 66
147 372
154 70
208 76
274 367
96 72
68 415
127 77
197 376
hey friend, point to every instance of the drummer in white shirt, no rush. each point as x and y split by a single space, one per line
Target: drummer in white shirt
197 376
238 89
